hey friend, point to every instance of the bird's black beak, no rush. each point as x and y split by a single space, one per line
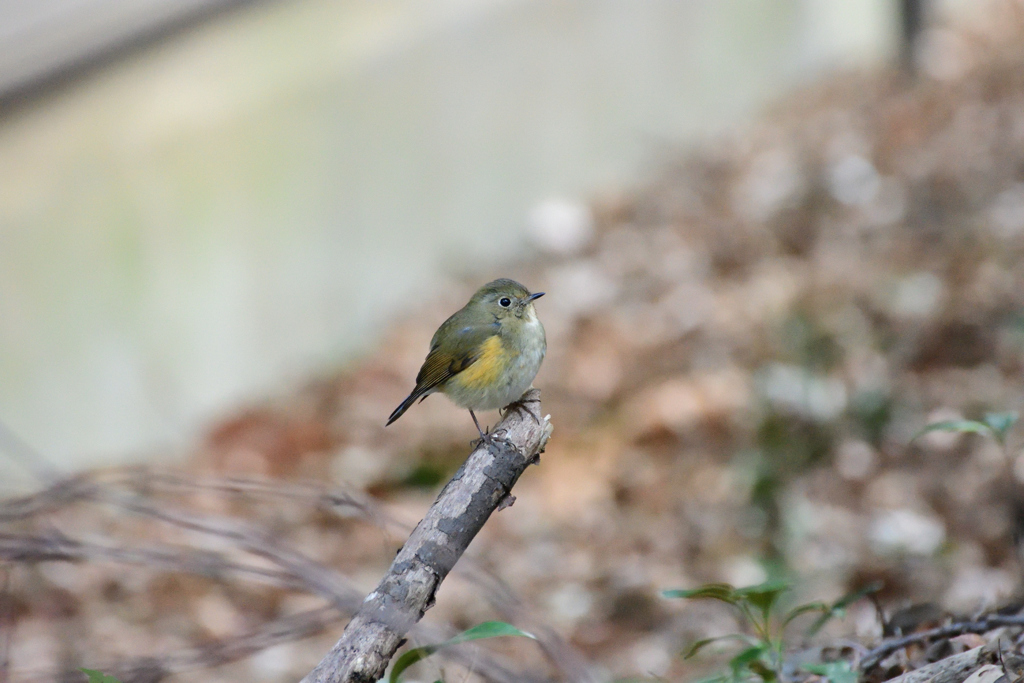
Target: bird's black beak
534 296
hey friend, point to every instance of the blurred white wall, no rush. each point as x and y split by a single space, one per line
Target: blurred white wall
248 201
45 38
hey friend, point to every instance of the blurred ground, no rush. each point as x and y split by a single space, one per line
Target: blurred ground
739 356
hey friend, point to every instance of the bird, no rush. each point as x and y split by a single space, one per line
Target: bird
486 355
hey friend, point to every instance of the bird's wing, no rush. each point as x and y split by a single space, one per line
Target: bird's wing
461 348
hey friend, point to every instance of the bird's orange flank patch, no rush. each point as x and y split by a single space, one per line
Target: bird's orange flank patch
490 365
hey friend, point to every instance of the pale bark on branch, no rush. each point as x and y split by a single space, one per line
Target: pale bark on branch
482 485
954 669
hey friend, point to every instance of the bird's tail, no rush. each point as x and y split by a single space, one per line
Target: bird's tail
404 405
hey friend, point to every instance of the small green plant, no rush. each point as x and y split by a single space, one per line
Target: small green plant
488 629
762 658
994 425
99 676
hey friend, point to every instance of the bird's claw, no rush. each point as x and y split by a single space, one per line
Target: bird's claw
493 439
520 407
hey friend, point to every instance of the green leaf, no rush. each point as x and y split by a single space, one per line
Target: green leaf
98 676
838 608
709 591
488 629
762 669
804 609
995 425
855 595
744 659
835 672
763 596
1000 423
701 644
962 426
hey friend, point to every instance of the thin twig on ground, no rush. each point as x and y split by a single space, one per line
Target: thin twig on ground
953 669
982 625
57 547
322 580
150 669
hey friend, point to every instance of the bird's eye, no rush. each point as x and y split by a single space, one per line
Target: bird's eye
505 302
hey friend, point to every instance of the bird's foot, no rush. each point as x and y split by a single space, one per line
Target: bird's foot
521 406
494 441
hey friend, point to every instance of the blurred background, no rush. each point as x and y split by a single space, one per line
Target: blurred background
204 200
778 237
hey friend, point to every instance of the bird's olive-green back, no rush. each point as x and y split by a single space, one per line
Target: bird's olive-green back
457 343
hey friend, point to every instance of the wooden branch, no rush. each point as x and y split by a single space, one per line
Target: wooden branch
482 485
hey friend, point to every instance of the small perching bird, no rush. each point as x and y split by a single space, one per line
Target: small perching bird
486 354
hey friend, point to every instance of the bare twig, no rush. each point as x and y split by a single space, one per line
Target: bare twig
309 494
954 669
981 625
57 547
407 590
151 669
320 579
57 495
285 629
